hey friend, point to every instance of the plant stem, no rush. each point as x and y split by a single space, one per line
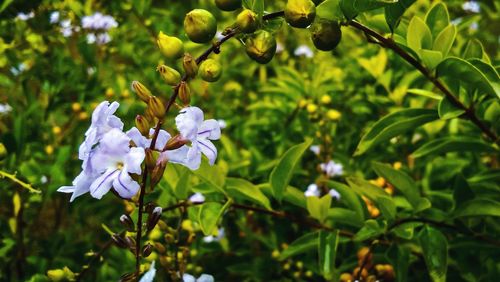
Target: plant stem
389 43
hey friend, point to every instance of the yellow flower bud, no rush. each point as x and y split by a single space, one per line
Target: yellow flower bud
210 70
261 47
184 93
56 275
333 114
200 25
156 106
76 107
302 103
247 21
49 149
190 66
83 116
300 13
170 46
311 108
325 99
170 75
3 151
109 92
397 165
142 124
125 93
56 130
142 92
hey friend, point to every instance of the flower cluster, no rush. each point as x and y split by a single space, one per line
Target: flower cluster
5 108
98 26
109 160
332 169
313 191
471 6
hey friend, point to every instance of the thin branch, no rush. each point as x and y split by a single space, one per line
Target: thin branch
86 268
14 179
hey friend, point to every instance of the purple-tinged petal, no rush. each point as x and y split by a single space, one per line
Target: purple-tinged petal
138 138
162 139
209 129
134 159
115 142
188 120
125 186
101 185
208 149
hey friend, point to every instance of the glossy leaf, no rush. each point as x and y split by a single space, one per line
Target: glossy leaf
444 40
447 110
209 215
418 35
376 194
479 207
330 10
282 174
435 250
318 207
430 58
241 188
370 229
394 12
304 244
437 19
452 144
399 257
349 197
327 252
392 125
345 216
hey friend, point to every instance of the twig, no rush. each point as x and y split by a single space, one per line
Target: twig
14 179
106 246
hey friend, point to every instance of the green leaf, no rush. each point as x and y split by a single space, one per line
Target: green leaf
371 229
399 257
214 175
377 195
437 18
462 192
209 215
394 124
452 144
431 58
241 188
351 8
281 175
394 12
345 216
474 49
418 35
349 197
444 40
479 207
403 183
330 10
181 188
304 244
318 207
460 70
435 251
327 252
447 110
425 93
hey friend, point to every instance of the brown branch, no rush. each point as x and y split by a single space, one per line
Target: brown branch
106 246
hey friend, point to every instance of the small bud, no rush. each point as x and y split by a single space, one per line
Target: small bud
56 275
170 46
228 5
130 243
147 250
149 116
76 107
127 222
326 34
157 173
247 21
311 108
153 218
346 277
326 99
157 107
363 275
184 93
169 238
150 159
333 114
119 241
300 13
261 47
210 70
175 143
200 25
170 75
49 149
190 66
160 248
141 91
3 151
56 130
142 124
128 277
109 93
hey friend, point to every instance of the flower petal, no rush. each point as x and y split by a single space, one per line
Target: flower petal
188 120
162 139
115 142
101 185
205 278
208 149
136 136
125 185
134 159
188 278
209 129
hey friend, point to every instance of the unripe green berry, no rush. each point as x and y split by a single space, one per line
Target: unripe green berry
228 5
261 47
300 13
326 34
170 46
210 70
200 26
247 21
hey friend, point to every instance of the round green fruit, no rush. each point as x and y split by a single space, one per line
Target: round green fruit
326 34
228 5
247 21
200 26
261 47
300 13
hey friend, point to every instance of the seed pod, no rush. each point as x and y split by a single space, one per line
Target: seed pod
128 277
157 173
175 143
228 5
153 218
200 26
157 107
247 21
160 248
190 65
119 241
261 47
170 75
326 34
142 92
300 13
131 243
150 159
170 46
210 70
147 250
142 124
184 93
127 222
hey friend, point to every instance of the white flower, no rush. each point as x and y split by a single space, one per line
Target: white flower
315 149
203 278
103 38
98 21
221 233
312 191
44 179
197 198
279 48
66 28
332 168
304 50
471 6
334 193
91 38
150 275
25 17
54 17
222 123
5 108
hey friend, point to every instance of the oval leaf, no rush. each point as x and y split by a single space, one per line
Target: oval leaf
435 250
241 188
452 144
